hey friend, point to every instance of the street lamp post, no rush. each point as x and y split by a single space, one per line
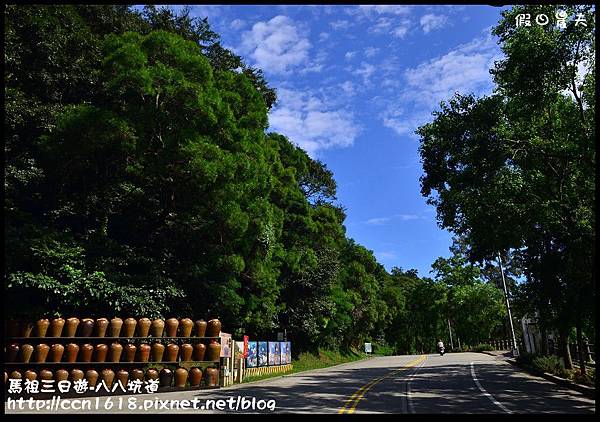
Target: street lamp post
515 348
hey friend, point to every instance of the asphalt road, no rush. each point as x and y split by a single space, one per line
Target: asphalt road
453 383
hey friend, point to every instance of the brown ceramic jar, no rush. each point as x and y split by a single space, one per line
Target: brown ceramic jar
181 376
25 328
186 351
86 327
166 377
122 376
213 328
213 351
212 376
91 377
152 374
130 352
42 327
129 327
144 352
56 352
199 351
46 374
15 375
71 325
30 375
71 352
56 327
115 327
26 352
157 327
143 326
200 328
108 376
12 351
100 352
171 327
76 375
158 350
115 352
195 377
172 352
136 374
41 352
100 327
185 327
86 351
61 375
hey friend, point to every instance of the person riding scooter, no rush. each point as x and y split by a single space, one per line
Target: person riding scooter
440 346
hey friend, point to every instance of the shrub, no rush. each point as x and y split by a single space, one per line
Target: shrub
383 350
484 347
589 378
525 358
551 364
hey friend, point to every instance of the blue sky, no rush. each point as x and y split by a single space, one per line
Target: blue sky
353 84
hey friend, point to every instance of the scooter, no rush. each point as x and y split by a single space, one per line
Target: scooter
441 350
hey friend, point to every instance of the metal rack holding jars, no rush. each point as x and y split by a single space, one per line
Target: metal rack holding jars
178 362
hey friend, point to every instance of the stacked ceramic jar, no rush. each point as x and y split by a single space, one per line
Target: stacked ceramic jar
177 352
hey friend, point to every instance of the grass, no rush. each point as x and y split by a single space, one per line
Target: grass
308 361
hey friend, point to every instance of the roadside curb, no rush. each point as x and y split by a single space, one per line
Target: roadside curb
584 389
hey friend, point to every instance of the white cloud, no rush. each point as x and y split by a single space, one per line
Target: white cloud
432 22
402 28
307 121
377 221
464 69
390 25
237 24
381 9
382 26
317 64
349 55
380 221
386 255
276 46
365 70
340 24
323 36
371 51
349 88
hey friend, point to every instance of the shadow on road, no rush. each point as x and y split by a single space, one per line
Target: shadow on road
451 389
435 388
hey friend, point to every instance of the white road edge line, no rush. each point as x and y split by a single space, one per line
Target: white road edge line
411 408
485 393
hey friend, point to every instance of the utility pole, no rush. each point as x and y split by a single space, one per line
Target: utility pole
450 331
515 348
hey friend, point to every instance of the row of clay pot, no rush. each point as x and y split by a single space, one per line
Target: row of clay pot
116 327
114 353
165 376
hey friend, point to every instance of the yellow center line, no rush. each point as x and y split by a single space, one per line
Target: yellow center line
358 395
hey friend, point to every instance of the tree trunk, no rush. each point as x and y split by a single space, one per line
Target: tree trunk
544 341
580 347
564 349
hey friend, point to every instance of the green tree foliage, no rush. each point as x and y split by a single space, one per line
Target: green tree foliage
514 172
140 180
